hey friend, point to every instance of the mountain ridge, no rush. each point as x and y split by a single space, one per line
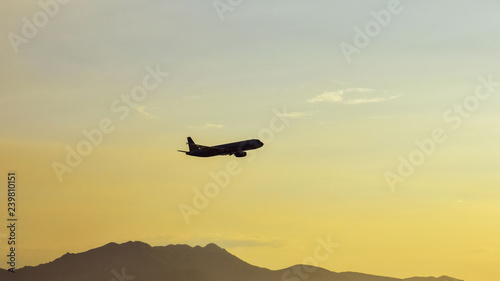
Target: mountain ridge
135 260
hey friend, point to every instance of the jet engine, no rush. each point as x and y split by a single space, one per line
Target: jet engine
240 154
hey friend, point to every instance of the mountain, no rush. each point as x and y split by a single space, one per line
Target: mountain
140 262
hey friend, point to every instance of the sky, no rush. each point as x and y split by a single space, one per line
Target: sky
379 121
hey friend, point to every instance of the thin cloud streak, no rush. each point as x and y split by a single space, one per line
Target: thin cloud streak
339 97
333 97
142 110
297 114
207 126
372 100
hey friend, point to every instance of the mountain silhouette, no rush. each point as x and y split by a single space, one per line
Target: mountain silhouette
138 261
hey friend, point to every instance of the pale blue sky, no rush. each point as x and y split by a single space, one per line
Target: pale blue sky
322 175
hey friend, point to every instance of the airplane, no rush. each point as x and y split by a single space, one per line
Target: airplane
235 148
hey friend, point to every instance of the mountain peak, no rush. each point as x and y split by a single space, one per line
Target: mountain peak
212 246
112 248
441 278
448 278
136 244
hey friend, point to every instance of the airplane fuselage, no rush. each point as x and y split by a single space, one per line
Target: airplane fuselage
235 148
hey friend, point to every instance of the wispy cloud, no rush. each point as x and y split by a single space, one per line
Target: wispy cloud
142 110
334 97
212 126
371 100
359 90
296 114
207 126
340 96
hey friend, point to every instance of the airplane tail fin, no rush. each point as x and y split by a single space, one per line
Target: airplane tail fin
192 145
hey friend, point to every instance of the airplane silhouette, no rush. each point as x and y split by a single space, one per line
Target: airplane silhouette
236 148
